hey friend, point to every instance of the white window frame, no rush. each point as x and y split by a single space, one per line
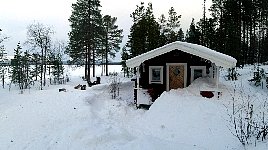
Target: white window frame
161 74
203 68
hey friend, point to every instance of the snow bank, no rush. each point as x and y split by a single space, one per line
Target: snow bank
188 120
90 119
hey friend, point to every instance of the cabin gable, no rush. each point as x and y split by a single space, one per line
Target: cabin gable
175 65
172 57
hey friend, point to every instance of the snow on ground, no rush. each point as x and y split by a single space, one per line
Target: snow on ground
179 119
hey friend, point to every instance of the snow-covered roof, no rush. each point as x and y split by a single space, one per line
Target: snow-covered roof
215 57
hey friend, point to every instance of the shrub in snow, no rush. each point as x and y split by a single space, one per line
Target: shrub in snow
248 122
114 85
243 125
232 74
258 76
3 61
113 73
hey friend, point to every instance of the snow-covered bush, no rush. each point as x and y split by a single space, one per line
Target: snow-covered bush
3 67
248 119
232 74
113 73
243 126
258 76
114 85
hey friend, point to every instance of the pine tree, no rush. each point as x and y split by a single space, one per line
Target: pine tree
203 26
36 67
144 33
208 34
21 69
180 35
86 33
233 28
112 39
163 30
262 9
26 70
57 68
125 56
56 64
3 61
17 73
173 24
241 27
193 35
169 28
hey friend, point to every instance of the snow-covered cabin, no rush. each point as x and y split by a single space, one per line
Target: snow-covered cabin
175 65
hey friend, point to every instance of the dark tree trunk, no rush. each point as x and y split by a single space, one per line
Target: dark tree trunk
89 42
45 65
88 65
106 53
86 62
3 79
42 68
93 62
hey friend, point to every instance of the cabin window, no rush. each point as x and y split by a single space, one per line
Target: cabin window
156 74
197 71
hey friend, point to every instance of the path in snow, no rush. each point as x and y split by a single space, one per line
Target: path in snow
90 119
34 120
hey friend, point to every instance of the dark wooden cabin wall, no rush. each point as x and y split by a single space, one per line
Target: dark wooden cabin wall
174 56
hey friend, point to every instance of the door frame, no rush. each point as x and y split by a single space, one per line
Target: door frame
167 73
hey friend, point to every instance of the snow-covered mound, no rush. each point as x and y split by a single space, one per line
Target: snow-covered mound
190 121
91 119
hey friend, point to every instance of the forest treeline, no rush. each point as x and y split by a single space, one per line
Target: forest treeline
234 27
93 36
238 28
41 60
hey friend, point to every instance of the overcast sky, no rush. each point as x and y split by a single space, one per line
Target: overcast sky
16 15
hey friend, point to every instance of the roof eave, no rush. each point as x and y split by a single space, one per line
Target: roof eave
214 57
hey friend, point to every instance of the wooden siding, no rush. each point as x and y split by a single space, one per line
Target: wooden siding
174 56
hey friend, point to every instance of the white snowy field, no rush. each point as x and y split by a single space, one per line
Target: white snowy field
90 119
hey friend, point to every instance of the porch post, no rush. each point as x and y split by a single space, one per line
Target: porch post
138 78
137 88
217 81
217 77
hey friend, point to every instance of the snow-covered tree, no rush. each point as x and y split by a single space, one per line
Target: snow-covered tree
193 35
170 28
86 33
36 66
56 64
112 38
21 68
17 74
145 32
39 37
3 67
125 56
3 59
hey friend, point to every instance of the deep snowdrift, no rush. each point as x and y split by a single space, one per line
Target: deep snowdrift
189 120
179 119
